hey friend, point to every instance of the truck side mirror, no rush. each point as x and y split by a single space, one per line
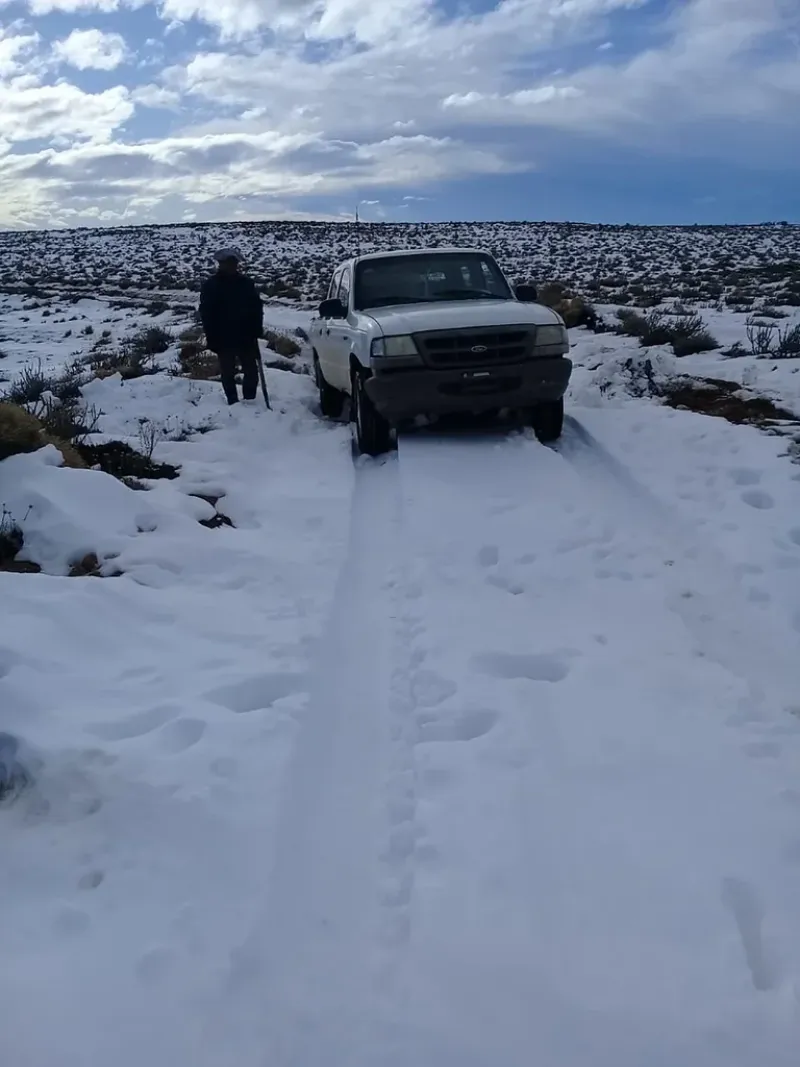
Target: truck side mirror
526 293
332 309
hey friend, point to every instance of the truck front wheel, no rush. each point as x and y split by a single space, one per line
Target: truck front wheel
547 420
373 432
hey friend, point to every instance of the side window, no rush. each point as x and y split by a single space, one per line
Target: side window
333 288
344 288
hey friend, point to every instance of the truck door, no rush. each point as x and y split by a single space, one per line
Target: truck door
340 337
323 342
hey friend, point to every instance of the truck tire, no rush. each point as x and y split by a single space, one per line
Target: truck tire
373 432
331 401
547 420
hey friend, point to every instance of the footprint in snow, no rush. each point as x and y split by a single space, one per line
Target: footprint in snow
257 693
9 659
153 965
508 585
489 556
138 724
71 921
467 725
224 767
91 880
535 667
742 900
763 749
744 476
182 734
758 499
429 689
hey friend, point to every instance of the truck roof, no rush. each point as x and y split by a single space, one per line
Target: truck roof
414 252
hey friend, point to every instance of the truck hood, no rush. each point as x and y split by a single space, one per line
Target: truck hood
460 314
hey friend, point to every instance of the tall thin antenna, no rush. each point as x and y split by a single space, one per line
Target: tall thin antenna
358 233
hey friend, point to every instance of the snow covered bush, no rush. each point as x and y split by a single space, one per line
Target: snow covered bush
29 385
686 333
150 342
689 336
760 337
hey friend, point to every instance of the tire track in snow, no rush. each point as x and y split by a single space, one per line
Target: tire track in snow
319 973
706 592
572 800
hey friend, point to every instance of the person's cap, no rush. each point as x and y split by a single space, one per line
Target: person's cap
228 253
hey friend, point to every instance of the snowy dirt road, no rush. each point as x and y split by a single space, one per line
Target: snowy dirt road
483 753
541 805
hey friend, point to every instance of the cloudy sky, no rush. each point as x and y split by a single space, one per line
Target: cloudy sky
124 111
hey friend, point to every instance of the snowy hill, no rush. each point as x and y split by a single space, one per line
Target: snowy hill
484 754
702 263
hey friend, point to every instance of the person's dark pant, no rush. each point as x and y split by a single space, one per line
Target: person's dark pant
246 357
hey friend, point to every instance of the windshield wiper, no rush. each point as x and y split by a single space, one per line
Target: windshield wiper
388 301
467 294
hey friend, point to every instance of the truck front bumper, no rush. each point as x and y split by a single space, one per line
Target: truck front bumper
401 393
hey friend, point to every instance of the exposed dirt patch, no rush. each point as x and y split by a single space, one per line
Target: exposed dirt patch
725 400
10 544
88 567
216 521
123 462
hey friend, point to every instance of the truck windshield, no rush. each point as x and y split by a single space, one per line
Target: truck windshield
439 276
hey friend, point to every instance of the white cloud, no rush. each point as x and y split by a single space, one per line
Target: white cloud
156 97
70 7
29 111
15 48
92 50
294 98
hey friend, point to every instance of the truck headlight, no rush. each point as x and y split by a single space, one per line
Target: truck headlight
551 335
401 345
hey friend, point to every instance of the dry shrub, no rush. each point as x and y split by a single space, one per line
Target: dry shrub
19 431
197 362
574 309
283 345
72 458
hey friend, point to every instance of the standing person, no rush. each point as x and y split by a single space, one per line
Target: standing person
233 319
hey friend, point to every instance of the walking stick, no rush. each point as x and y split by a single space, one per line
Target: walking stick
262 377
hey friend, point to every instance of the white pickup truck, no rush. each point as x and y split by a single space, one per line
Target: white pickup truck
432 332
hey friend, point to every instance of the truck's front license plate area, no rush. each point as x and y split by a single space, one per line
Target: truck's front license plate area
482 385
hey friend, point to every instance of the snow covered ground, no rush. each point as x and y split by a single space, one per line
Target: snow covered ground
484 753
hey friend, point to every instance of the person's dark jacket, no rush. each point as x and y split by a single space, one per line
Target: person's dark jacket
231 311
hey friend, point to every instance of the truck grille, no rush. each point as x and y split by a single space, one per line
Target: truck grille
457 348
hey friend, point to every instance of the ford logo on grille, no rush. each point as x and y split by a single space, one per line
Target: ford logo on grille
477 349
